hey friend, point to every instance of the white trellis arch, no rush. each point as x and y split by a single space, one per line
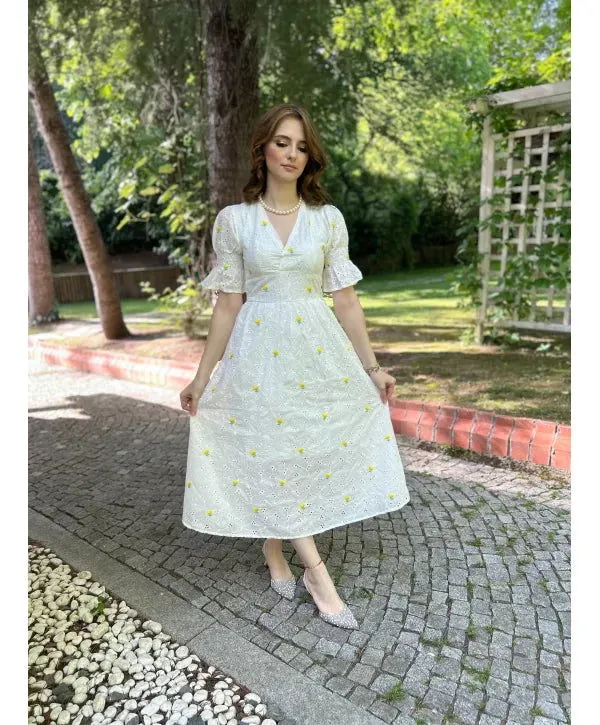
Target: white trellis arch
523 155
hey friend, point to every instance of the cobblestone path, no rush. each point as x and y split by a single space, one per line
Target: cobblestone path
462 596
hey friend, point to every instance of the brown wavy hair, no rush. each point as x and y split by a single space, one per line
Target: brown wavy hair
308 184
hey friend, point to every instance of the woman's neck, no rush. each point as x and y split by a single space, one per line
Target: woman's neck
281 196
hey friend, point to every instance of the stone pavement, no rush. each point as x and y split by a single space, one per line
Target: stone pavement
462 596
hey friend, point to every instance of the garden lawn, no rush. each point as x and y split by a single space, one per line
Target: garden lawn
415 326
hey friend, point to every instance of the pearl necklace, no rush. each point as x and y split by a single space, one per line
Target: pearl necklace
281 211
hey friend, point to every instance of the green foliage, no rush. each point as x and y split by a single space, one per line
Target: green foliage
186 304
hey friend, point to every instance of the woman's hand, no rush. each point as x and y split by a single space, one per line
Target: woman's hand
385 383
190 395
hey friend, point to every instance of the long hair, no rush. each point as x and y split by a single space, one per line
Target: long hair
308 184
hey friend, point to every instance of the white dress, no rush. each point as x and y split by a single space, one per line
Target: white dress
290 437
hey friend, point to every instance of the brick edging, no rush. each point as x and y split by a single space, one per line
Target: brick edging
524 439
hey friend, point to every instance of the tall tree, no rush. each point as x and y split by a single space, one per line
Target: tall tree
42 306
231 52
55 136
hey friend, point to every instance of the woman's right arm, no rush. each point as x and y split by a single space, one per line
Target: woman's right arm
221 324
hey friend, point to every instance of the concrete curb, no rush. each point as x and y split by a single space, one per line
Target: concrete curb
539 442
298 697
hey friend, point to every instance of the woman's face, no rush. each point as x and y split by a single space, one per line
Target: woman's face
286 153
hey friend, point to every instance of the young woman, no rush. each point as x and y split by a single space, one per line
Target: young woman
291 435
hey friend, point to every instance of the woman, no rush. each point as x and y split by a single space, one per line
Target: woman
291 436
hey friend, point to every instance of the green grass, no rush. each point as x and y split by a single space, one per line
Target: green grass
420 323
395 694
87 310
415 326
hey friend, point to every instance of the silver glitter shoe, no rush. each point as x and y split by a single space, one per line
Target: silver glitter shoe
345 618
284 587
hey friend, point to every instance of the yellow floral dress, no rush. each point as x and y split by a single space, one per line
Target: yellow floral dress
291 437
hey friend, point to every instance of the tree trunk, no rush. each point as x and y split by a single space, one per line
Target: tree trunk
41 285
232 94
88 233
231 53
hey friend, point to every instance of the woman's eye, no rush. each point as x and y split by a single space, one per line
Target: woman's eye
281 144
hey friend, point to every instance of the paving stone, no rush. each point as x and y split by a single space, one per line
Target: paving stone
419 585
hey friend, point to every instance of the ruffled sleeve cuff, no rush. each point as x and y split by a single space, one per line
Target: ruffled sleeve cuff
339 271
340 274
228 273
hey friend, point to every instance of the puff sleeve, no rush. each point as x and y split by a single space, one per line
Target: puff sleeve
339 271
228 273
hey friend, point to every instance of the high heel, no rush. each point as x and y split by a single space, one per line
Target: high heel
345 618
284 587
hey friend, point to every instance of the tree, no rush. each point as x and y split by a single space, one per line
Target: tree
42 306
55 136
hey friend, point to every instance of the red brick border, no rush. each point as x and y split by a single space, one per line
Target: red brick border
524 439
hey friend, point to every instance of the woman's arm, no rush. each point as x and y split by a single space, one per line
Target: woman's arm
225 311
351 317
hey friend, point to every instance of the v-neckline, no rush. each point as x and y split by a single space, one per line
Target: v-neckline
274 231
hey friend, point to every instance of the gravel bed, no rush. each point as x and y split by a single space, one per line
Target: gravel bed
92 659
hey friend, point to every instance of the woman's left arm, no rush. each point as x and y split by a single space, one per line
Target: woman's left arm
351 317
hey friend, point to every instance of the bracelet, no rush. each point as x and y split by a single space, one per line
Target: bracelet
372 369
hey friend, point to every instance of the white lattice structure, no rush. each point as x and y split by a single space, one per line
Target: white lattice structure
512 181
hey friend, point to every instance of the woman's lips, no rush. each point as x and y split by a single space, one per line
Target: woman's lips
288 167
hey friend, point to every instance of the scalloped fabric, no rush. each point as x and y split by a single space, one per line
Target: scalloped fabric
291 437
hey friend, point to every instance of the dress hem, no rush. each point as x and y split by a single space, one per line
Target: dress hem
295 536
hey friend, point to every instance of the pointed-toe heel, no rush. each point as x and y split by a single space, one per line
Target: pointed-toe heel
344 619
284 587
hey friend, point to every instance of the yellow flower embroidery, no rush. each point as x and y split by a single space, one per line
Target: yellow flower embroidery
255 387
322 246
258 321
232 420
348 347
325 415
298 319
279 421
282 481
253 452
235 482
265 286
327 261
344 443
264 223
226 266
309 288
319 349
214 387
328 475
387 437
275 352
302 505
256 509
206 452
345 379
209 512
219 228
368 407
334 224
300 450
391 495
347 498
231 354
189 484
371 468
290 249
301 385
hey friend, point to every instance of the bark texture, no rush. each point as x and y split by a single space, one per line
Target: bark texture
42 306
76 198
